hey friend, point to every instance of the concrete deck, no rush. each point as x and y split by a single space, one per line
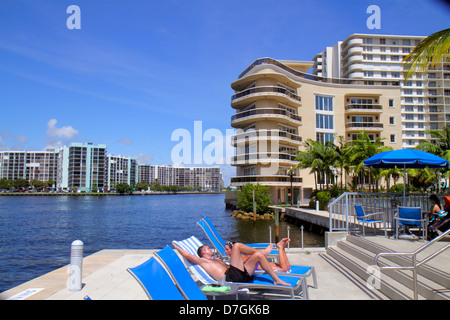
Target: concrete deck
105 276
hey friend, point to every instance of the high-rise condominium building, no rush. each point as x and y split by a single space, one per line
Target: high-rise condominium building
424 98
29 165
279 106
206 178
356 85
120 169
82 166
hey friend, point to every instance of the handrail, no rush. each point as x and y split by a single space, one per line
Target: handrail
415 264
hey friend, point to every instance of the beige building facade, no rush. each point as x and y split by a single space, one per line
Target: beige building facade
424 98
279 106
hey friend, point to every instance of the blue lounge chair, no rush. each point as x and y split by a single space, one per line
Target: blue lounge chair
155 281
298 287
222 242
216 240
367 218
410 217
179 274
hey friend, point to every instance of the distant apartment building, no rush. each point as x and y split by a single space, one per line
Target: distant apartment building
29 165
81 167
424 98
87 167
120 169
206 178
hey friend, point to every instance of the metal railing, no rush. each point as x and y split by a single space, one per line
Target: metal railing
415 264
342 213
266 89
267 111
312 77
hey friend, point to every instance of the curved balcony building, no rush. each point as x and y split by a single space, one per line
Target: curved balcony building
278 106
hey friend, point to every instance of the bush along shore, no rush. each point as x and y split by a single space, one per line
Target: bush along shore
239 214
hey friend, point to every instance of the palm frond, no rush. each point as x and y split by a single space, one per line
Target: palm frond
430 52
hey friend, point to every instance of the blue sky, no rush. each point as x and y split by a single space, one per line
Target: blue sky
138 70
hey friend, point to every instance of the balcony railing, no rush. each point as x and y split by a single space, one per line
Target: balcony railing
263 157
364 125
308 76
266 89
266 111
266 179
265 134
361 106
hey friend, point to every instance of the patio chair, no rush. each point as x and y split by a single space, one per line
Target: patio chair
179 274
218 242
296 270
155 281
367 218
298 286
410 217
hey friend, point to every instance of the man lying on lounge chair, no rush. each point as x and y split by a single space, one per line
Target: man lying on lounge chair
237 271
283 261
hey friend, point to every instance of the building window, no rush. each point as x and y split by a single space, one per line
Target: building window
324 103
323 137
391 103
392 138
391 120
324 121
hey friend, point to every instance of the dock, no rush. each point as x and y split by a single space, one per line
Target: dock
105 275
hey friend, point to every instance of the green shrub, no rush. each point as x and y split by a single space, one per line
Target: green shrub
262 198
323 197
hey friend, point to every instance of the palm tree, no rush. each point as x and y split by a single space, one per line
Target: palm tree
320 158
389 173
361 149
430 52
439 146
342 160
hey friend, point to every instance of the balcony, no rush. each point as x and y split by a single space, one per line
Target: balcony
364 126
264 158
364 108
307 76
251 95
274 180
276 114
269 134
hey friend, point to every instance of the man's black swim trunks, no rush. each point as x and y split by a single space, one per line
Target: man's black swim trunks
234 274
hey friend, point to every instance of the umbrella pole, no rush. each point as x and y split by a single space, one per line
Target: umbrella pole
404 184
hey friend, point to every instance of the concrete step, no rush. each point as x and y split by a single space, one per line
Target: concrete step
355 279
356 251
386 286
429 271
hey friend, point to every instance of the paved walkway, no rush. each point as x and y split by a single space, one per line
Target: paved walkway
105 276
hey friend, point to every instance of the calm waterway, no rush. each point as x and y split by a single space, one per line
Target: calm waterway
36 231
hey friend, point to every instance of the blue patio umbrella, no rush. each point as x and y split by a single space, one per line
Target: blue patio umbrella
406 159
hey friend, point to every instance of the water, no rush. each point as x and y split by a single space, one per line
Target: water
36 231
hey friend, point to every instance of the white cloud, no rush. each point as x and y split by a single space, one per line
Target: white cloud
67 132
125 141
143 158
55 135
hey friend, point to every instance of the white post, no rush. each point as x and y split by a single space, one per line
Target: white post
76 265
